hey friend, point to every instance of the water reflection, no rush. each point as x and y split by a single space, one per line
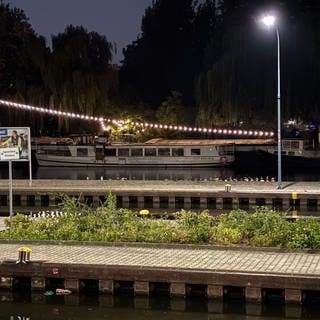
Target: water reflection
134 173
37 306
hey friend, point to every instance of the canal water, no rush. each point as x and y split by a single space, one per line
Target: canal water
244 171
83 307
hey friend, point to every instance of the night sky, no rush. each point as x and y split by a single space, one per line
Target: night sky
118 20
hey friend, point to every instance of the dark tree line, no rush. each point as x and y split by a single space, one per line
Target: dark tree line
207 62
75 74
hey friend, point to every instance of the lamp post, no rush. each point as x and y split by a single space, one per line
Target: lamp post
270 21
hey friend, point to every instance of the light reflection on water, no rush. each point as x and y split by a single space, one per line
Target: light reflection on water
82 307
235 172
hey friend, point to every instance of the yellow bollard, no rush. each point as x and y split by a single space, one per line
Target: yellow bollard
294 214
144 212
24 254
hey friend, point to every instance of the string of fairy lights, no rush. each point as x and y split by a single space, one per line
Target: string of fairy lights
104 122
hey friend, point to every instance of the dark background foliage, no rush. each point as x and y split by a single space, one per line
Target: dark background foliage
205 63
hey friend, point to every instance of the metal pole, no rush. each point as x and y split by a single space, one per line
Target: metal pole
10 192
279 114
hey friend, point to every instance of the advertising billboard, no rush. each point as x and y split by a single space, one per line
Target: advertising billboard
15 144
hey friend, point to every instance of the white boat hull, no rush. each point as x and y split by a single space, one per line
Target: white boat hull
136 155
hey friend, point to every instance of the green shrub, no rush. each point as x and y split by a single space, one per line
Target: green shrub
305 233
263 227
194 227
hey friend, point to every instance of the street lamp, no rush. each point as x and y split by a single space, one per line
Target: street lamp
270 21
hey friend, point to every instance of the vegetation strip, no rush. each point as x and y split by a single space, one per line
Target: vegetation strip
80 222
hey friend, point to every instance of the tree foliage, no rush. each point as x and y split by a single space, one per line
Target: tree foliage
75 75
84 80
213 52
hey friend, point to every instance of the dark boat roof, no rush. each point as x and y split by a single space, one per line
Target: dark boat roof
161 141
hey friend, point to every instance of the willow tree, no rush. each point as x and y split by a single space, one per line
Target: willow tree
79 75
238 80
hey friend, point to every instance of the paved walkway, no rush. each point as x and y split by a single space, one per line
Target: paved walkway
165 185
178 257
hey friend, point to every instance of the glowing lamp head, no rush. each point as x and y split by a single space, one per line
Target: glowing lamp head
269 20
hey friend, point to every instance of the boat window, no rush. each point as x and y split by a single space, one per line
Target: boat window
195 152
150 152
164 152
82 152
62 153
110 152
136 152
177 152
286 144
295 145
226 150
123 152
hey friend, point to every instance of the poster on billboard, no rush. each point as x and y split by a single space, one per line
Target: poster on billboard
15 144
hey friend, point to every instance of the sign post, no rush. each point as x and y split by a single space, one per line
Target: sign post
15 145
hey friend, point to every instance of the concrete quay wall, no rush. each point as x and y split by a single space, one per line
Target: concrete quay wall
146 281
217 273
173 195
